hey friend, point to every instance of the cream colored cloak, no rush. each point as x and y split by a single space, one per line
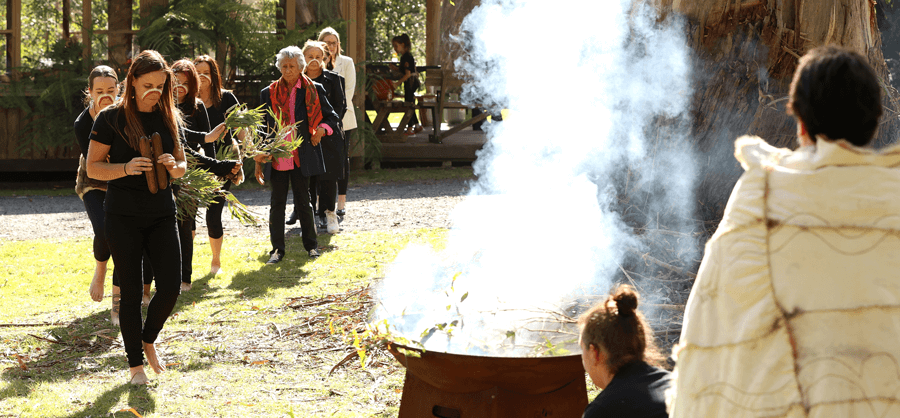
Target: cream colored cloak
796 308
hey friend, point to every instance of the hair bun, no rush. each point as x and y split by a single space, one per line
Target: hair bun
626 300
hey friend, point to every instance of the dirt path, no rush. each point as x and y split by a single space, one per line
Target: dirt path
370 207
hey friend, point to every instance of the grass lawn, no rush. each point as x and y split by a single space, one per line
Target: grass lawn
252 342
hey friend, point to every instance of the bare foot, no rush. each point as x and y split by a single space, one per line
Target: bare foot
185 286
138 377
145 301
116 301
98 281
152 360
215 247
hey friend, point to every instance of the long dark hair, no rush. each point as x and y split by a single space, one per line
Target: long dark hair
620 330
215 84
146 62
193 81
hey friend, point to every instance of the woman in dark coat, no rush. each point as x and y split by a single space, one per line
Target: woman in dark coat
323 188
295 99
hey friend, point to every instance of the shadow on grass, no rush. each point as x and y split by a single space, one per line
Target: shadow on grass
289 272
84 340
83 346
139 399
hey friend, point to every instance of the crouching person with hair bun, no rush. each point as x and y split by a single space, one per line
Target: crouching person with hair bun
619 354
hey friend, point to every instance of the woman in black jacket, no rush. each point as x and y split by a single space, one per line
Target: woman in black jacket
323 188
141 218
195 134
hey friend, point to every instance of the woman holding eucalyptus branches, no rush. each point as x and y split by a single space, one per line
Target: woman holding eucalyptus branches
140 209
218 102
196 133
295 100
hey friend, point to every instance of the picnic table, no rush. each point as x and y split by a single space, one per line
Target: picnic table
441 82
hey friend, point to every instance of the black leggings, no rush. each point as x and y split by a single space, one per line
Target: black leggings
93 205
129 237
409 96
214 215
342 183
186 236
326 191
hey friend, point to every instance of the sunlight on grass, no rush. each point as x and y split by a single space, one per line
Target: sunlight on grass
228 343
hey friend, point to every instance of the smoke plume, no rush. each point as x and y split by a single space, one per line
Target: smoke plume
594 151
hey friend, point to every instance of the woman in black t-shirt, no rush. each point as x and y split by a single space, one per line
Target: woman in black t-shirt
218 103
138 220
196 133
617 348
103 89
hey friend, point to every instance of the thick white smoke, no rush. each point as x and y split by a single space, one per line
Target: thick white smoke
588 85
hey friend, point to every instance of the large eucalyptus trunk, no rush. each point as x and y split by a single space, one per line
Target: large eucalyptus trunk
747 52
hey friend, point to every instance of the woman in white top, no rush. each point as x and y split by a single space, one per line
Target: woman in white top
343 65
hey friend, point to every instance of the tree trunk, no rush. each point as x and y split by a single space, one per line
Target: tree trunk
452 15
748 51
119 42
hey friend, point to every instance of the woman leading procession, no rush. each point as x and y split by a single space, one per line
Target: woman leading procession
140 208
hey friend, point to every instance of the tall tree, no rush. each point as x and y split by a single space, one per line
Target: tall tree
748 51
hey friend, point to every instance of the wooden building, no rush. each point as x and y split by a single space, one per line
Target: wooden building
120 34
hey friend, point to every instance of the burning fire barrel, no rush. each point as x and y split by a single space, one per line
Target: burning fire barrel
461 386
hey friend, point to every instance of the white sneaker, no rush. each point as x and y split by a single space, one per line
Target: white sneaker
332 222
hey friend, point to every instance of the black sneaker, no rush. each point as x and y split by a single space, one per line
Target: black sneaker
340 214
293 219
314 253
275 258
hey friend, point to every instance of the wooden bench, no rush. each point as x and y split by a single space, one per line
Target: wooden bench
382 126
444 83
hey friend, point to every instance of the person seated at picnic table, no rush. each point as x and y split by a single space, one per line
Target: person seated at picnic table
619 354
794 312
295 99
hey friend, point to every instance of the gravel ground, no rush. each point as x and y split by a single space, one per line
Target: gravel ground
371 207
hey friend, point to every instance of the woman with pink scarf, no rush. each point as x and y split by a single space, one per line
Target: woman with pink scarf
294 98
